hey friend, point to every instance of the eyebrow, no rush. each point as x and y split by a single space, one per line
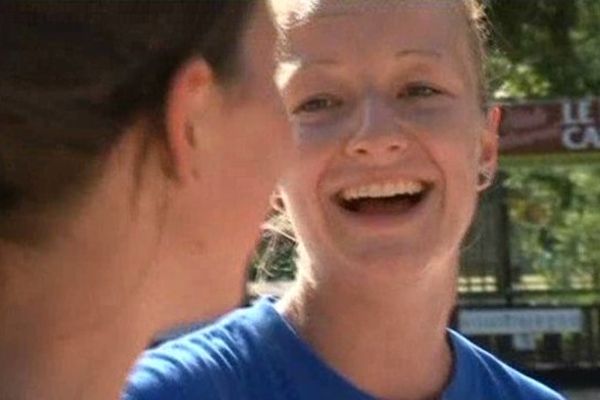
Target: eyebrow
307 63
330 61
418 52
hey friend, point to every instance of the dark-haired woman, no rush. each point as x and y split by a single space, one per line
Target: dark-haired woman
139 142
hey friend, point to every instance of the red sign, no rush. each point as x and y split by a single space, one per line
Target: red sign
553 127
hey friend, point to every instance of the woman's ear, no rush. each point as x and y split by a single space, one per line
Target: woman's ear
276 200
488 155
187 96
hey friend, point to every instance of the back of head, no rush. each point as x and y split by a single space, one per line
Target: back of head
74 75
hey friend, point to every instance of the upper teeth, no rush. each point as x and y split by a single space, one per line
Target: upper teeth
379 190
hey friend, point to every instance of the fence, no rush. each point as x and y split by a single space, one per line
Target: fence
517 313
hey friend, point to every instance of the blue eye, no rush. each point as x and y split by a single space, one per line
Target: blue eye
419 90
317 104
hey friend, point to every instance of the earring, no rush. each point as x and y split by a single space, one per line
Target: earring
484 178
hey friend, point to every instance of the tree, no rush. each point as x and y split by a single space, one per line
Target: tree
550 49
556 223
545 48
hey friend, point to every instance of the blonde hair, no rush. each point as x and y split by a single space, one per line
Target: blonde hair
478 37
289 13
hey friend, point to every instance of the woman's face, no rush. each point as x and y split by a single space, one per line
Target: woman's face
383 98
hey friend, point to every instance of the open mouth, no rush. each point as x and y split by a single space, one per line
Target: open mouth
383 198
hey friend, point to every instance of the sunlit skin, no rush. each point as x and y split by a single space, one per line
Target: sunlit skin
160 238
376 289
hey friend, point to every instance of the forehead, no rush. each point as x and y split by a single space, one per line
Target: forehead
332 26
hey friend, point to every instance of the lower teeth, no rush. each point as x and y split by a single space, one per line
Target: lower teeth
387 204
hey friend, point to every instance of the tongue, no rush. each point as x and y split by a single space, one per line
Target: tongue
393 205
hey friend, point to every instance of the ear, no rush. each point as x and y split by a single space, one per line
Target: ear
488 155
276 201
187 96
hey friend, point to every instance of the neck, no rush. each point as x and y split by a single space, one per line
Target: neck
70 320
41 363
398 331
80 305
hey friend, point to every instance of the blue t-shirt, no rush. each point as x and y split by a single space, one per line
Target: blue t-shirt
254 354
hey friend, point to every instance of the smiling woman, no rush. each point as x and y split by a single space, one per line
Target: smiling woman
395 143
399 111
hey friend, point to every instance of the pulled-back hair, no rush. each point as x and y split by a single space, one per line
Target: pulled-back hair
73 75
478 37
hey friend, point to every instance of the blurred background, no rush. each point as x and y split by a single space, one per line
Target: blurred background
530 277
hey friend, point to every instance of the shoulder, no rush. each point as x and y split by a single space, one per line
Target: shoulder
211 361
480 371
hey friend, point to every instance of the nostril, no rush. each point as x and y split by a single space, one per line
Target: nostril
376 147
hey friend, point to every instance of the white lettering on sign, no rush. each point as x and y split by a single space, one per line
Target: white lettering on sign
577 112
581 138
523 321
579 132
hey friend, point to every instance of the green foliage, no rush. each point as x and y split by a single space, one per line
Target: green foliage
514 80
275 258
555 223
550 49
545 48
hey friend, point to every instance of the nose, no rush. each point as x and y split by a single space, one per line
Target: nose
379 137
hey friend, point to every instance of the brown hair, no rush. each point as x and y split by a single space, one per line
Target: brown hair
73 75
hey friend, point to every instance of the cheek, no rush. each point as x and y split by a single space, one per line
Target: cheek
460 192
315 150
460 167
324 133
298 210
457 118
456 161
456 157
300 189
454 138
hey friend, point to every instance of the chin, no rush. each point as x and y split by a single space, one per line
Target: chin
389 262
